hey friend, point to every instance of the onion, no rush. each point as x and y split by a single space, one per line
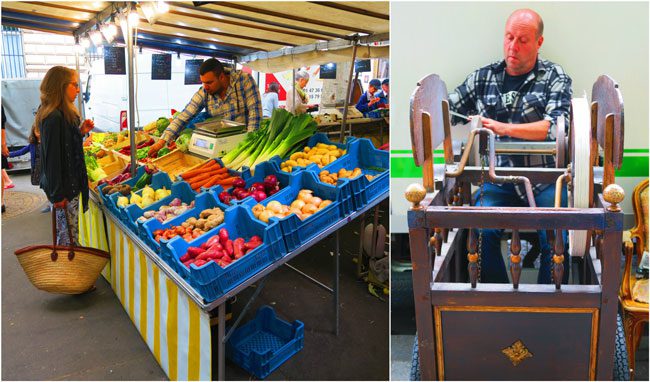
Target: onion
309 209
274 206
324 204
316 201
175 203
259 195
298 204
257 209
270 181
305 198
223 196
265 215
239 183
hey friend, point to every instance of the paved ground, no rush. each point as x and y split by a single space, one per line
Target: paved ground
90 337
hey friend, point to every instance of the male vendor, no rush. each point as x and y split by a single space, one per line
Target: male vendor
518 98
233 96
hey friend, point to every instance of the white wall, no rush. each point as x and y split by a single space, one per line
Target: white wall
454 38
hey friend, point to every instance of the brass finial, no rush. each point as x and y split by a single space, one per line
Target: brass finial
415 193
614 194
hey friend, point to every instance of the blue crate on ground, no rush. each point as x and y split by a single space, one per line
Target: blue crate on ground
245 173
106 200
158 180
313 141
211 280
181 190
296 231
363 154
263 344
261 171
203 201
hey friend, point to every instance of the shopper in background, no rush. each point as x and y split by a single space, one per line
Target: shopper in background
372 99
229 95
385 88
270 100
519 97
63 173
5 163
297 100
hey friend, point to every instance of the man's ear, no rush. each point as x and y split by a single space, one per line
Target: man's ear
540 41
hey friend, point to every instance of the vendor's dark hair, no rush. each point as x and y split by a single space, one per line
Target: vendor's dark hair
211 65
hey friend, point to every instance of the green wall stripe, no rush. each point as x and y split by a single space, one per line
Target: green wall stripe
403 167
441 151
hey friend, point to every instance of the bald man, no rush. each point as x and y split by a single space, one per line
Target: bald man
519 98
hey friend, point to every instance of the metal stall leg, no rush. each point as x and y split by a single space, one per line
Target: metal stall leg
221 344
336 284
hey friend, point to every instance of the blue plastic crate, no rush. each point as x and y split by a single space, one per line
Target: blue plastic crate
211 280
363 154
106 200
263 344
313 141
296 231
158 180
245 173
261 171
181 190
203 201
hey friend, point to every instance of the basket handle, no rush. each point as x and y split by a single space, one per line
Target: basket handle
54 255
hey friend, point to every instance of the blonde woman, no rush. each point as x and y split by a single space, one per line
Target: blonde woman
63 172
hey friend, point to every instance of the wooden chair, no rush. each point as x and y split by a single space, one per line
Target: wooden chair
635 313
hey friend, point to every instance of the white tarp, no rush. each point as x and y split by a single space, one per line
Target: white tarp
20 99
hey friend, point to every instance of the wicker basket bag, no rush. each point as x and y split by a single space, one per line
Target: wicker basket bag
62 269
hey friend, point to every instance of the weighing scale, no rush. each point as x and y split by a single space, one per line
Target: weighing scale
214 137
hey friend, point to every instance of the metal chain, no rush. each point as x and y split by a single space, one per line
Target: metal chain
480 231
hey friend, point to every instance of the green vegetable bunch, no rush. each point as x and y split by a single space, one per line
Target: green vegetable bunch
142 153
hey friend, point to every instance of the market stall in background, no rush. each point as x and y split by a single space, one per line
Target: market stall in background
219 208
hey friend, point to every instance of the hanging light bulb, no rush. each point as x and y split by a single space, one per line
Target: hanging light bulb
134 18
85 42
162 7
100 50
95 37
109 31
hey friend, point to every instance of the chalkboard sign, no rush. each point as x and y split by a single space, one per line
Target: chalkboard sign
161 67
362 66
328 71
192 72
114 60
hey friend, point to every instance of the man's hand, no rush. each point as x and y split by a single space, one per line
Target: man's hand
5 151
88 125
499 128
61 204
373 101
153 150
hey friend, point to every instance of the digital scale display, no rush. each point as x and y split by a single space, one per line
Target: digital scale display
202 143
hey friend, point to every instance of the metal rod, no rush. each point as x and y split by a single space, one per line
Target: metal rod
362 220
336 284
257 292
526 151
558 188
303 274
221 345
293 94
131 115
346 102
79 97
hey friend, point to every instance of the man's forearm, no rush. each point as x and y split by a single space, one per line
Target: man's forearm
534 131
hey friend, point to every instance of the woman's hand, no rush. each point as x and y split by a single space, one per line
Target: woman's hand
61 204
88 125
5 151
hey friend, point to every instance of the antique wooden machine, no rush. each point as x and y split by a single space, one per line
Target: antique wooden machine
482 331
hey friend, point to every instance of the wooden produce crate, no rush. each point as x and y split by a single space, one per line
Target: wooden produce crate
177 162
111 168
139 138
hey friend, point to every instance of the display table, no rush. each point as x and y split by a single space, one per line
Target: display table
171 316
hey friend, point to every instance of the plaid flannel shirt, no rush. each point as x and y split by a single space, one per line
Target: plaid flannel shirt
544 95
242 103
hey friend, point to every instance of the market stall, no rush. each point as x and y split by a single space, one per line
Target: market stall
171 301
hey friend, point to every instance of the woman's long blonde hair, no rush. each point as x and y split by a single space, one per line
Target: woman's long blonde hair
53 88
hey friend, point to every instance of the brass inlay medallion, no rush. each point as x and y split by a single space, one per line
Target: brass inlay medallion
517 352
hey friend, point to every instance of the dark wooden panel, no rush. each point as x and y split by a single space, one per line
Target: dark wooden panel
472 344
428 96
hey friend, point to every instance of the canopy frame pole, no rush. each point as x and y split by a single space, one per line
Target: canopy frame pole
81 93
131 115
346 102
293 87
